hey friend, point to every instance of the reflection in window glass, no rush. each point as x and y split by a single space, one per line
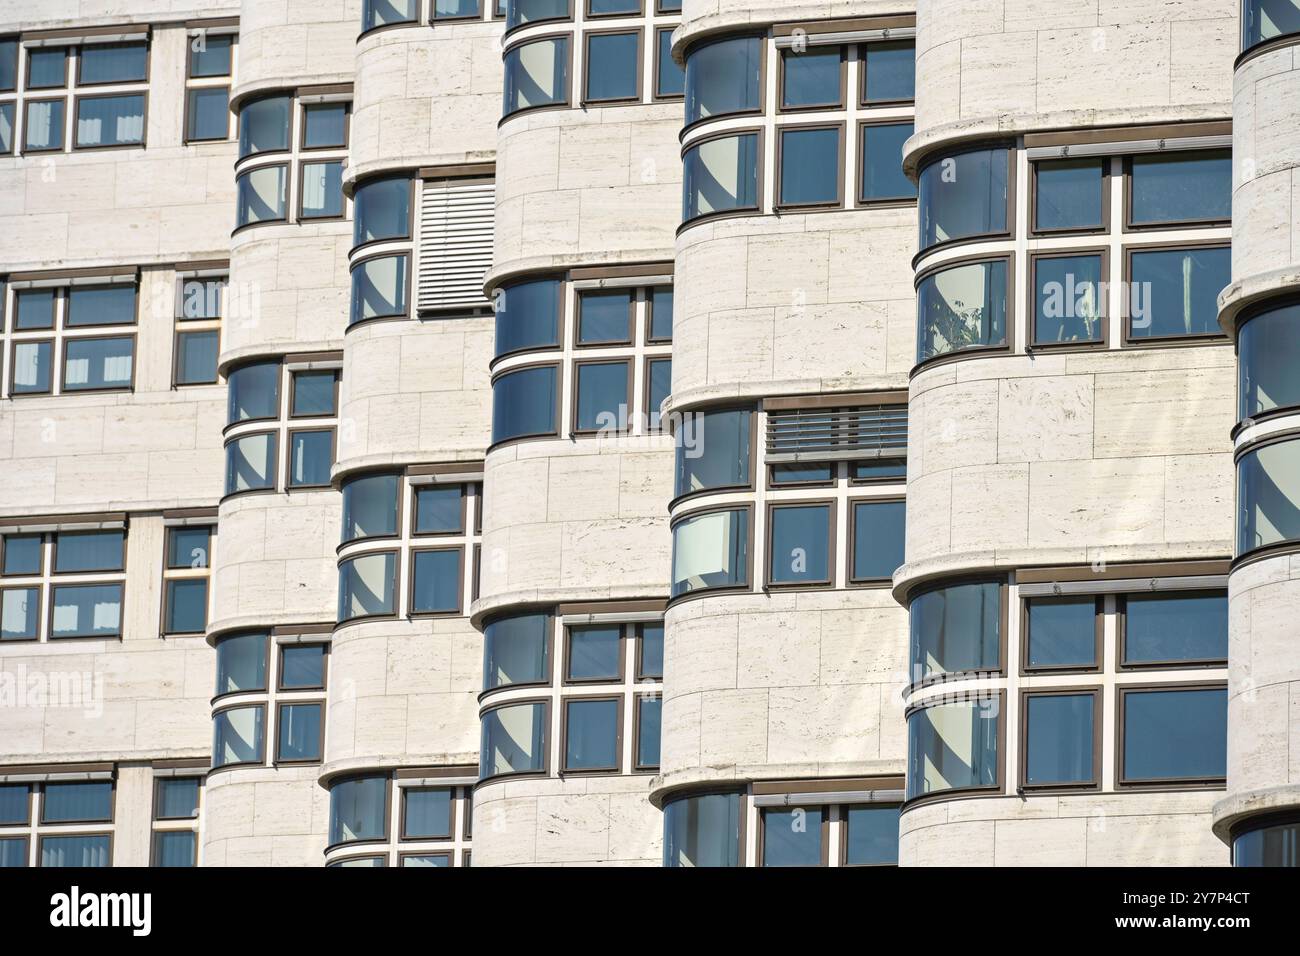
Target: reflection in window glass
87 610
370 507
1276 846
714 451
110 120
260 196
22 554
812 77
7 112
513 740
605 317
196 361
32 369
516 651
436 586
528 316
450 9
89 551
314 394
1068 304
1175 735
660 373
250 463
302 666
1069 194
15 803
381 209
1062 632
723 77
649 721
882 163
325 125
613 66
101 305
438 509
670 78
112 63
237 736
1266 361
1268 496
241 664
187 607
358 810
75 851
879 537
34 308
379 288
602 403
953 747
366 586
598 8
661 313
211 55
1159 628
19 614
1181 291
322 190
43 128
591 735
711 551
188 547
810 167
530 11
98 363
595 653
720 175
8 65
175 849
428 813
537 74
299 732
792 837
264 126
800 544
178 798
1059 739
523 404
77 803
311 456
253 392
964 196
702 831
47 67
1265 19
381 13
871 836
890 72
961 308
956 630
652 651
1186 187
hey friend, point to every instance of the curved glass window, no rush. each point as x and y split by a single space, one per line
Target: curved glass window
366 586
953 746
523 404
711 551
713 451
516 650
237 736
250 463
964 307
379 288
264 126
381 209
956 630
253 392
1180 291
723 77
527 316
370 507
241 664
720 175
1277 845
1267 357
964 196
259 196
514 740
702 831
359 810
537 74
1263 20
519 12
1268 496
382 13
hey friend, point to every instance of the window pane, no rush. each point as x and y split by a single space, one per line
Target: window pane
711 551
702 831
661 313
523 404
800 545
35 308
515 651
670 78
31 373
264 126
1190 187
208 114
101 305
381 209
47 67
359 810
311 455
210 55
15 802
1059 739
956 630
1176 627
649 723
98 363
613 66
602 396
713 451
952 746
380 13
660 373
19 614
890 72
44 126
455 8
250 464
89 551
325 125
437 582
314 394
22 554
196 361
530 11
188 547
201 298
723 77
591 735
879 537
178 798
536 74
871 836
428 814
882 162
322 190
605 317
1062 632
364 861
74 851
370 507
1175 734
430 859
810 166
187 607
113 62
241 664
1069 194
253 392
605 7
595 653
7 113
8 65
964 196
77 803
110 120
961 308
366 586
379 288
237 736
1267 354
260 196
299 732
88 610
439 509
1068 299
1180 289
812 77
527 316
1268 491
1264 19
652 650
13 852
513 740
1267 846
175 849
720 175
302 666
792 837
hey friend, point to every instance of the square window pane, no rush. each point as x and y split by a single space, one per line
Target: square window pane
43 129
196 357
650 710
35 308
311 455
13 852
1069 194
75 851
208 114
366 587
325 126
314 394
89 551
187 607
175 849
604 317
47 67
811 78
302 666
890 71
101 305
178 798
1062 632
322 190
210 55
20 614
87 611
661 313
660 373
113 63
595 653
1068 297
299 732
110 120
428 814
591 735
800 538
437 582
201 298
439 509
31 374
7 113
237 736
1176 292
613 66
188 547
1190 187
652 651
792 837
15 804
871 837
250 464
602 397
1162 628
879 533
1059 739
882 163
77 802
670 78
98 364
1175 735
810 166
22 554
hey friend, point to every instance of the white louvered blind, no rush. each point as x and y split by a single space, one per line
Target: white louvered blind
456 222
837 434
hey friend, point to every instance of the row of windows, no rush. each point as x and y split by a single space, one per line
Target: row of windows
267 127
376 14
438 818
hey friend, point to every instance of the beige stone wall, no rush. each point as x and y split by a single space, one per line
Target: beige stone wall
265 817
287 43
53 14
701 17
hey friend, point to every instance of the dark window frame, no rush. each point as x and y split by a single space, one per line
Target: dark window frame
1094 785
567 681
1122 782
586 99
773 506
1099 631
782 108
860 201
1128 227
1121 635
564 770
783 205
1107 185
459 610
851 504
1103 294
1127 252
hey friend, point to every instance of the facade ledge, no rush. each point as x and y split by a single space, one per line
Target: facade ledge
218 629
740 775
690 399
1244 293
530 265
547 597
1237 807
333 769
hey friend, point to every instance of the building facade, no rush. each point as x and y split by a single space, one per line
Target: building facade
649 432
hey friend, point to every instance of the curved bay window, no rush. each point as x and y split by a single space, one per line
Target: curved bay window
524 404
381 288
528 315
711 551
716 454
359 810
516 651
537 75
724 77
1264 20
514 740
1267 341
381 210
965 196
720 176
954 746
703 831
1273 841
962 308
957 630
1268 496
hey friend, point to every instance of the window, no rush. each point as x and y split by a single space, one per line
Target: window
370 507
380 287
1061 744
241 664
110 120
108 63
659 378
321 193
303 427
238 736
882 176
888 73
1070 195
47 67
79 576
528 316
1172 735
516 651
1187 187
603 397
720 176
456 9
962 307
613 67
649 717
196 357
8 65
794 837
953 746
436 581
440 509
366 586
703 831
536 74
250 463
314 177
457 225
719 456
207 86
524 403
607 318
45 840
871 836
359 810
211 54
383 13
381 209
1272 844
670 79
325 126
723 77
253 393
594 654
711 551
1069 303
964 196
302 666
7 114
800 544
299 738
264 126
1262 20
1268 487
176 802
1190 628
185 579
1181 291
43 126
613 8
957 630
1266 359
812 78
811 170
77 803
651 660
592 737
519 12
1062 633
661 314
260 196
513 740
877 540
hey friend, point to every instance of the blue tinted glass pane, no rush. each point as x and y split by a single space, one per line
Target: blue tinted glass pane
605 7
1191 187
953 746
430 859
602 396
879 533
77 803
299 732
7 113
359 809
379 288
872 837
800 544
22 554
720 175
963 307
46 67
175 849
661 385
1265 19
591 735
381 209
20 614
1186 627
964 196
311 455
513 740
1069 306
264 126
536 74
237 736
1179 291
13 852
455 8
801 474
810 166
882 162
1268 846
43 128
890 72
670 77
102 305
527 316
652 651
326 125
530 11
1069 194
523 403
379 13
322 190
74 851
196 363
437 582
1062 632
723 77
702 831
604 317
8 65
253 391
260 196
711 551
209 114
250 464
35 308
792 837
956 630
113 62
14 803
1267 354
1059 739
241 664
188 547
812 78
31 374
314 394
370 507
88 611
438 509
210 55
110 120
1268 487
515 650
366 586
98 363
178 798
595 653
428 814
1176 734
187 607
648 730
713 451
613 62
661 313
368 862
302 665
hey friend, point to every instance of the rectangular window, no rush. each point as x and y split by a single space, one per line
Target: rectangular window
47 67
1183 187
659 384
456 9
15 804
613 8
187 607
613 67
250 463
871 836
302 667
1173 735
606 318
299 737
661 314
20 610
602 402
440 509
177 848
436 581
1177 291
260 196
594 654
670 78
812 78
211 54
75 851
591 735
99 64
34 309
87 610
811 168
8 65
1068 303
1173 629
313 394
77 803
878 539
382 13
311 456
366 586
43 125
793 837
1061 743
101 305
882 177
86 551
1062 633
22 554
110 120
32 373
1069 195
650 664
800 543
649 715
207 114
325 126
7 112
888 73
427 813
196 357
177 798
